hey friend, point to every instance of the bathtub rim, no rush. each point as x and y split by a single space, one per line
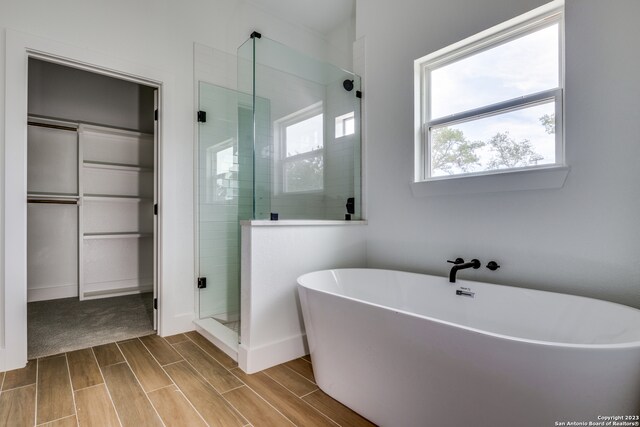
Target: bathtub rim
626 345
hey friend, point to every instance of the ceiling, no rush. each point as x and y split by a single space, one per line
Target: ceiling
321 16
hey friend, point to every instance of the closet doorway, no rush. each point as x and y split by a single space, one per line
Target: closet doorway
91 209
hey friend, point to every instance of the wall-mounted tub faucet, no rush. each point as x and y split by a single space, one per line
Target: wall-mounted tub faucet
474 263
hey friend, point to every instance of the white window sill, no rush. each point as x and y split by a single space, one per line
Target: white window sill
530 179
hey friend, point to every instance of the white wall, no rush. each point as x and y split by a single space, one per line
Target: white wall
153 35
341 43
581 239
273 256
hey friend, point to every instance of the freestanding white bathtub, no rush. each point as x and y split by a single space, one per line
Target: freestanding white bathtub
404 349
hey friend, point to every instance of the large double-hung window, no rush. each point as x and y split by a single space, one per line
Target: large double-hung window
493 103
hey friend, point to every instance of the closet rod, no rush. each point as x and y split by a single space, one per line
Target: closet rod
48 125
53 201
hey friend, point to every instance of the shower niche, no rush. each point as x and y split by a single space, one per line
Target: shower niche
285 144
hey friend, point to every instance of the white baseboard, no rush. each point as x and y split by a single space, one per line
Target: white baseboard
11 359
53 292
252 360
118 292
116 288
177 324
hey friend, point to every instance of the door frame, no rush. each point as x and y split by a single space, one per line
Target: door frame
19 48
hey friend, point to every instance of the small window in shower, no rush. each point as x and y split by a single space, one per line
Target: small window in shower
345 125
302 150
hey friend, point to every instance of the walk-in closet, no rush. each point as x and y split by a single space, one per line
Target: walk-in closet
91 207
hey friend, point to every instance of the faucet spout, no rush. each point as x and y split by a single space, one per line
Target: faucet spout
474 263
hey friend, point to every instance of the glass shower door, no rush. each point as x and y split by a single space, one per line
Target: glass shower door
219 211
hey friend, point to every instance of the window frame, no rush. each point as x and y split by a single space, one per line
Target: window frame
537 19
281 158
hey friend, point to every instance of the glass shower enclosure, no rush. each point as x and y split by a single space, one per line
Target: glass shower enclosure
285 145
305 131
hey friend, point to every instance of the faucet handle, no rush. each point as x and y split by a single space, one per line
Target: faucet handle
493 266
457 261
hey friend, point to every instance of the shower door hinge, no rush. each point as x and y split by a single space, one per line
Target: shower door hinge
202 282
358 94
155 115
155 303
202 116
155 209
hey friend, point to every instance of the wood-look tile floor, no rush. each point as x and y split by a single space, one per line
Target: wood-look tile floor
182 380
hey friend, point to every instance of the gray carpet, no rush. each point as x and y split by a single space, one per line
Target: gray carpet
68 324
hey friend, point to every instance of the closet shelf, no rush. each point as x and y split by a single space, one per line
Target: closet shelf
45 195
116 166
114 198
132 235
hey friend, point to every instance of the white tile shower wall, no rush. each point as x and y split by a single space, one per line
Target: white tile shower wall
360 164
341 153
273 256
261 156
